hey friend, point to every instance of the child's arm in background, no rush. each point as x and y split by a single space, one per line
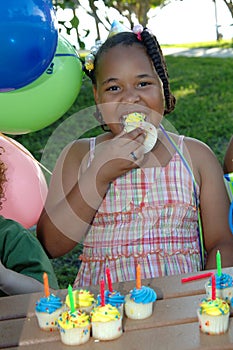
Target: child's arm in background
228 159
12 282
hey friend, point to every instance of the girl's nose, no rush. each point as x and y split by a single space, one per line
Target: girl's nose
131 95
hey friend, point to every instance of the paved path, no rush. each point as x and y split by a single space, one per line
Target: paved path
201 52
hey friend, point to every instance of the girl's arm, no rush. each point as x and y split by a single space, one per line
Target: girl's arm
214 204
77 190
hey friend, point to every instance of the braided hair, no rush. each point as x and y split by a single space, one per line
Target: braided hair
154 52
2 178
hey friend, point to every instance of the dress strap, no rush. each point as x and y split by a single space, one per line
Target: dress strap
186 164
92 150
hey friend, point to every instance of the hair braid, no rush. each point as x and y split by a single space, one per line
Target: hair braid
155 53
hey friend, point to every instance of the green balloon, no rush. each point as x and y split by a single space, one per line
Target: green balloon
45 100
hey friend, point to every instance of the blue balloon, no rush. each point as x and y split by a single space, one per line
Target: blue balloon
28 41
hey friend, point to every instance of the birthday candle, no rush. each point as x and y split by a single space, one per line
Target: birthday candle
109 280
219 265
71 297
102 292
213 285
46 285
196 277
138 277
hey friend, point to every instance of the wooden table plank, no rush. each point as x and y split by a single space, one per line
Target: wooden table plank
182 337
166 312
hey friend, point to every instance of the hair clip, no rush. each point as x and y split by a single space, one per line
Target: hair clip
138 30
89 59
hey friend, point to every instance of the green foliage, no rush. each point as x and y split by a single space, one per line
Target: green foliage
204 110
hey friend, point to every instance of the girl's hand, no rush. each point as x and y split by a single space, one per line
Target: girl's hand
117 156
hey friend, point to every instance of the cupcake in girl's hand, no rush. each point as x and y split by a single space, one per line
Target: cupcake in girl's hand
84 300
74 327
213 316
48 308
135 120
139 301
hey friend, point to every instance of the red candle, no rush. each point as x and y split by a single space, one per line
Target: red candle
46 284
213 282
138 277
109 280
196 277
102 292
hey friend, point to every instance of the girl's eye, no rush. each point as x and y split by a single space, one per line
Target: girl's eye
144 83
113 88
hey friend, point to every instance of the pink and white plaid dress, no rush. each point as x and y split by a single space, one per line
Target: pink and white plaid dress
148 216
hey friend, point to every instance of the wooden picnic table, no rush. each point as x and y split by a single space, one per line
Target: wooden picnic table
173 325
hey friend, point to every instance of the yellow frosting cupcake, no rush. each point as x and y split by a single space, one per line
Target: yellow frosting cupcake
84 300
213 316
74 327
106 322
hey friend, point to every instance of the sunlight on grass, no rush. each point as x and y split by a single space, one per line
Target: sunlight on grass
224 44
185 91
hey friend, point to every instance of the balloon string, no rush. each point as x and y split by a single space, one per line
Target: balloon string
28 154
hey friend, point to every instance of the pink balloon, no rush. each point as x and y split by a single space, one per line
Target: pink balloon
26 187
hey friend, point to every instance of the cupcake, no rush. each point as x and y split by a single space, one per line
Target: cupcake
135 120
113 298
74 327
224 287
83 300
213 316
139 303
106 322
48 309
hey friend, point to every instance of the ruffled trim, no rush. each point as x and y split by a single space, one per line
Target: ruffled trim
161 253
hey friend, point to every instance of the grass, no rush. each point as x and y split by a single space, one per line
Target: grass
204 110
222 44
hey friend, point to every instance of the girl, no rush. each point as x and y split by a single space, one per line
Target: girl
129 206
22 259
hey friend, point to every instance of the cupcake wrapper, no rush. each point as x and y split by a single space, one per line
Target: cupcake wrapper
75 336
48 321
213 324
137 311
151 137
107 330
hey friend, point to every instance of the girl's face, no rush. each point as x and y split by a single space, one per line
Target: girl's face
127 82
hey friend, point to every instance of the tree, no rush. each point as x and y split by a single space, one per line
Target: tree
229 4
133 10
130 9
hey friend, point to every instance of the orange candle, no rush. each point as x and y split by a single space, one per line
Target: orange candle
138 277
46 284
